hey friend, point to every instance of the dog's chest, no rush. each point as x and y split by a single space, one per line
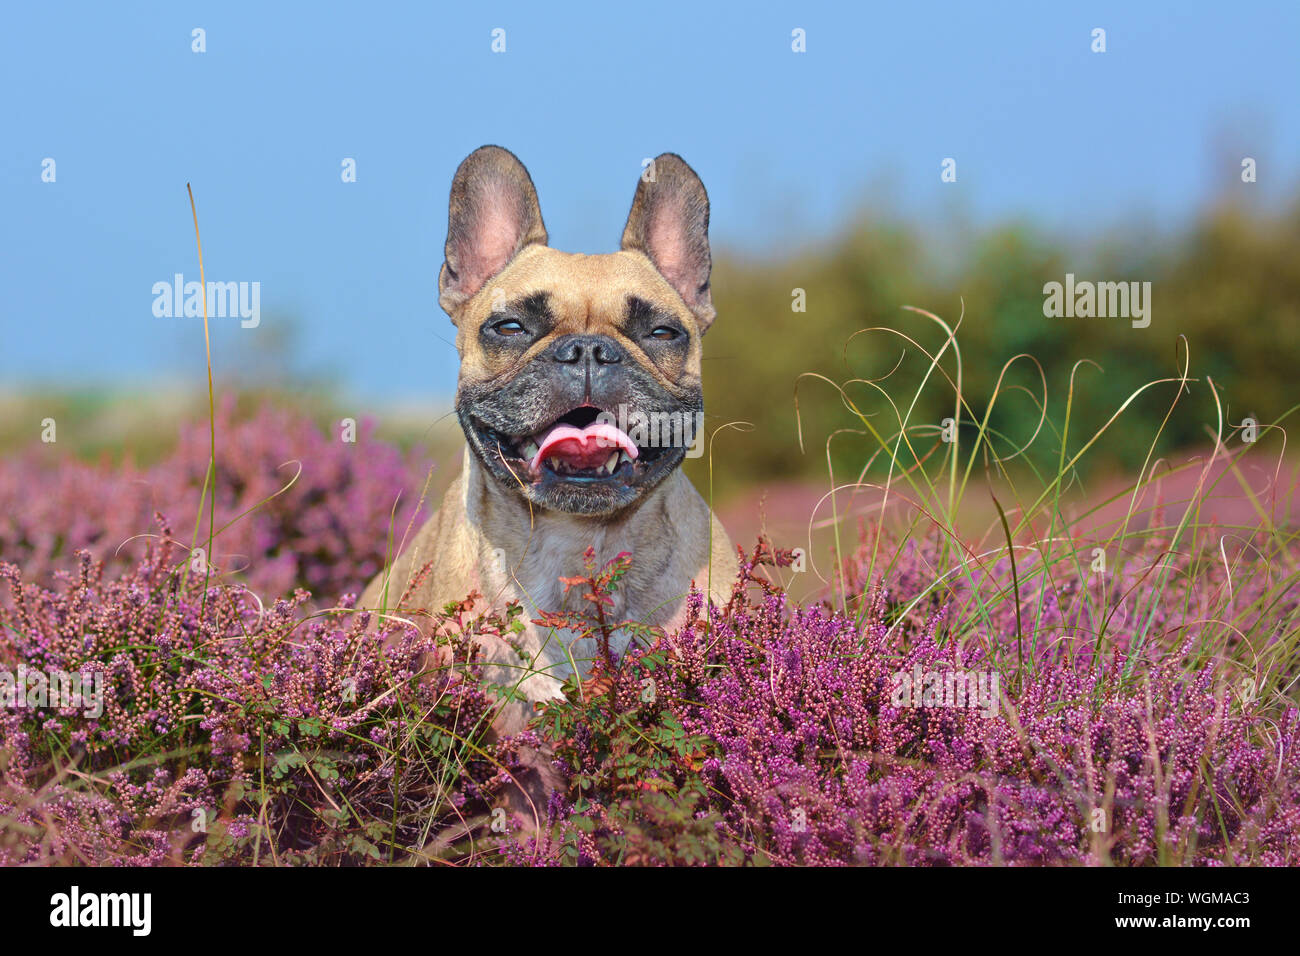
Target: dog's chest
532 577
560 552
518 555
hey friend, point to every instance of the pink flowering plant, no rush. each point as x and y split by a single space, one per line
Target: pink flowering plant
1063 687
233 731
775 737
294 505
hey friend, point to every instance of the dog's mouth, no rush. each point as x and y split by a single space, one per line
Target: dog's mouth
583 445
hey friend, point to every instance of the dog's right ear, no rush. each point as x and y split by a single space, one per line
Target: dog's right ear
669 225
492 217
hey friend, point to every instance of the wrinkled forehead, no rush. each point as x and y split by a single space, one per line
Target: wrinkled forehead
581 291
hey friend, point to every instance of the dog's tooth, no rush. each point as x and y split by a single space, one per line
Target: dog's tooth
528 449
623 456
612 462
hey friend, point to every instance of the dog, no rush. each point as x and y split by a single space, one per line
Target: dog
558 352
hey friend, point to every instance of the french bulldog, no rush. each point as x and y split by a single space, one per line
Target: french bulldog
567 362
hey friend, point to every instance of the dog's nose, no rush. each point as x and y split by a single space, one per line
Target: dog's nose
601 349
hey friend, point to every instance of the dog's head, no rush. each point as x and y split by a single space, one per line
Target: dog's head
580 375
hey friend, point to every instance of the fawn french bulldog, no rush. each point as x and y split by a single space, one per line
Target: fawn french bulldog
558 352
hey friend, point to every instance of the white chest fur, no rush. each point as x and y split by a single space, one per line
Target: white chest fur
530 573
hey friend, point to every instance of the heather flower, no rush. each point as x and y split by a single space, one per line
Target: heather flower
246 718
304 509
236 699
810 762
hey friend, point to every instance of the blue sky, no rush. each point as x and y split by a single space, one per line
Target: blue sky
789 145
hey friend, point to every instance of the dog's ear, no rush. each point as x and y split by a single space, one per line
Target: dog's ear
493 215
669 224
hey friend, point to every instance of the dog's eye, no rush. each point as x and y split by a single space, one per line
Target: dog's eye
664 333
509 327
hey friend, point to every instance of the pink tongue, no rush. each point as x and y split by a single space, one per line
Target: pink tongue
583 447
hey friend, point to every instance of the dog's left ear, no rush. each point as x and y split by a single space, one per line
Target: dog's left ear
669 224
492 216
